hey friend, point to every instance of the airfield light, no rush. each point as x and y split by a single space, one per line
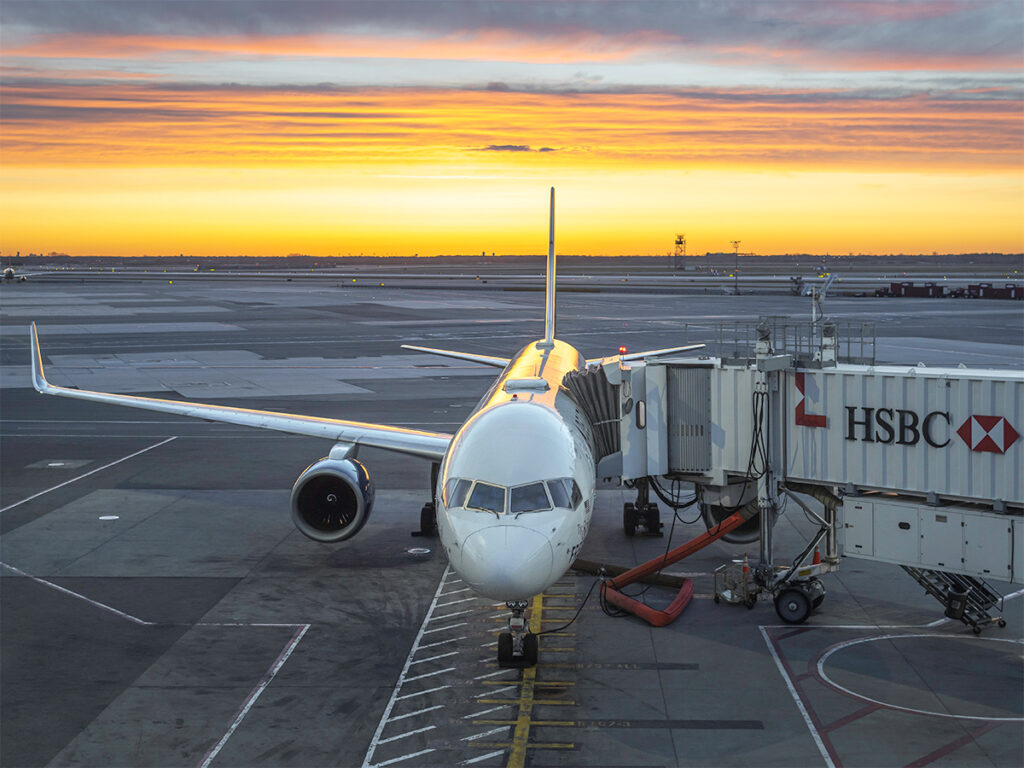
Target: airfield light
622 350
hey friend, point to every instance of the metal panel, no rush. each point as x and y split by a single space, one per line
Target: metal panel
858 528
732 423
952 432
689 419
633 436
657 426
988 545
1018 550
942 538
895 533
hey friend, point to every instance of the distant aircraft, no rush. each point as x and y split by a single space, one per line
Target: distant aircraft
514 488
9 275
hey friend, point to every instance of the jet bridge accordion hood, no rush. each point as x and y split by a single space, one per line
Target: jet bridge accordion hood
599 400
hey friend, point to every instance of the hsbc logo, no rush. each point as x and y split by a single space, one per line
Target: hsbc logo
990 434
902 426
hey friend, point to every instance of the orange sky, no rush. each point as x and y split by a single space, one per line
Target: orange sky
150 143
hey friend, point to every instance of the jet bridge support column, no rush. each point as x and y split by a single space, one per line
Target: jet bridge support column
768 448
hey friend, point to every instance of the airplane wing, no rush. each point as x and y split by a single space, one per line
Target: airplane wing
495 362
650 353
413 442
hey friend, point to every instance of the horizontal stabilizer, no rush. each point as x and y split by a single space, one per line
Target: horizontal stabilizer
649 353
496 362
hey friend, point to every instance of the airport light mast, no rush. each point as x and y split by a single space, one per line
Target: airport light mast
736 270
680 252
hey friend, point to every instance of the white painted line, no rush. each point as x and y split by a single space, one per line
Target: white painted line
451 615
91 472
407 733
429 674
493 674
496 615
455 602
829 681
102 606
417 712
456 591
796 698
403 757
442 629
442 642
434 658
421 693
405 671
255 694
491 732
488 711
455 581
480 758
496 690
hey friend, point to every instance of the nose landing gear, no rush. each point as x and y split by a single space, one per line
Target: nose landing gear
518 647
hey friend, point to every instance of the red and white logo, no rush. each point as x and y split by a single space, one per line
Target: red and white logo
992 434
804 419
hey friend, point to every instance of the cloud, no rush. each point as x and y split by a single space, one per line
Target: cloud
506 148
910 34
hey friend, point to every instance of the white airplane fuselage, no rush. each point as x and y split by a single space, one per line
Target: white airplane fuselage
515 491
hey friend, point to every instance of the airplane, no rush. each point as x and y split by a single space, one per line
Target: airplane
10 274
515 485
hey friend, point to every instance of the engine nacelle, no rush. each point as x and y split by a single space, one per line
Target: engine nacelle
332 499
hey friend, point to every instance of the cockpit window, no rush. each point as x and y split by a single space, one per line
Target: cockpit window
577 496
490 498
565 492
529 498
455 491
559 494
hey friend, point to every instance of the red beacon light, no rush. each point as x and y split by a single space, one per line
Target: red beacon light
622 350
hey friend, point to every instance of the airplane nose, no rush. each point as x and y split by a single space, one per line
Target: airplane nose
506 562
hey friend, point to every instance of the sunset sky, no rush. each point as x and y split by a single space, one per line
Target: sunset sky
393 128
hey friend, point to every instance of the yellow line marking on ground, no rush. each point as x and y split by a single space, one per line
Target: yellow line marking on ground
517 755
534 745
544 702
560 723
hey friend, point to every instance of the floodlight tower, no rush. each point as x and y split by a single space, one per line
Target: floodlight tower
680 252
736 270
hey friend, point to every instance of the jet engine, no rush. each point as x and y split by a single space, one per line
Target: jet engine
332 499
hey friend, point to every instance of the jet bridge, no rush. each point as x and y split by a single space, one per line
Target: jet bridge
916 466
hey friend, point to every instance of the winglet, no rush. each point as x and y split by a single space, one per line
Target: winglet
38 379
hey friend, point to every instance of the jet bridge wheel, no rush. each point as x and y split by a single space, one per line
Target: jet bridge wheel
793 604
630 518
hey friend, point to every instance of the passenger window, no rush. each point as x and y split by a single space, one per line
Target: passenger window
490 498
559 495
529 498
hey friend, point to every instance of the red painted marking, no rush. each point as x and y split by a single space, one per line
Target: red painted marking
967 738
807 704
853 716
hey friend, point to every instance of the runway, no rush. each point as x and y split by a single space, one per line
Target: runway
159 608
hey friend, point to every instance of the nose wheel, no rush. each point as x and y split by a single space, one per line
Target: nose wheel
517 648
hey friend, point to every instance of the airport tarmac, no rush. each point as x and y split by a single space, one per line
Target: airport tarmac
159 608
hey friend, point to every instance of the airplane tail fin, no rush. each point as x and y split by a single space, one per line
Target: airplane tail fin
549 284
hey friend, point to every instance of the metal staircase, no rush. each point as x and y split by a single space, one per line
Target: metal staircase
965 597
